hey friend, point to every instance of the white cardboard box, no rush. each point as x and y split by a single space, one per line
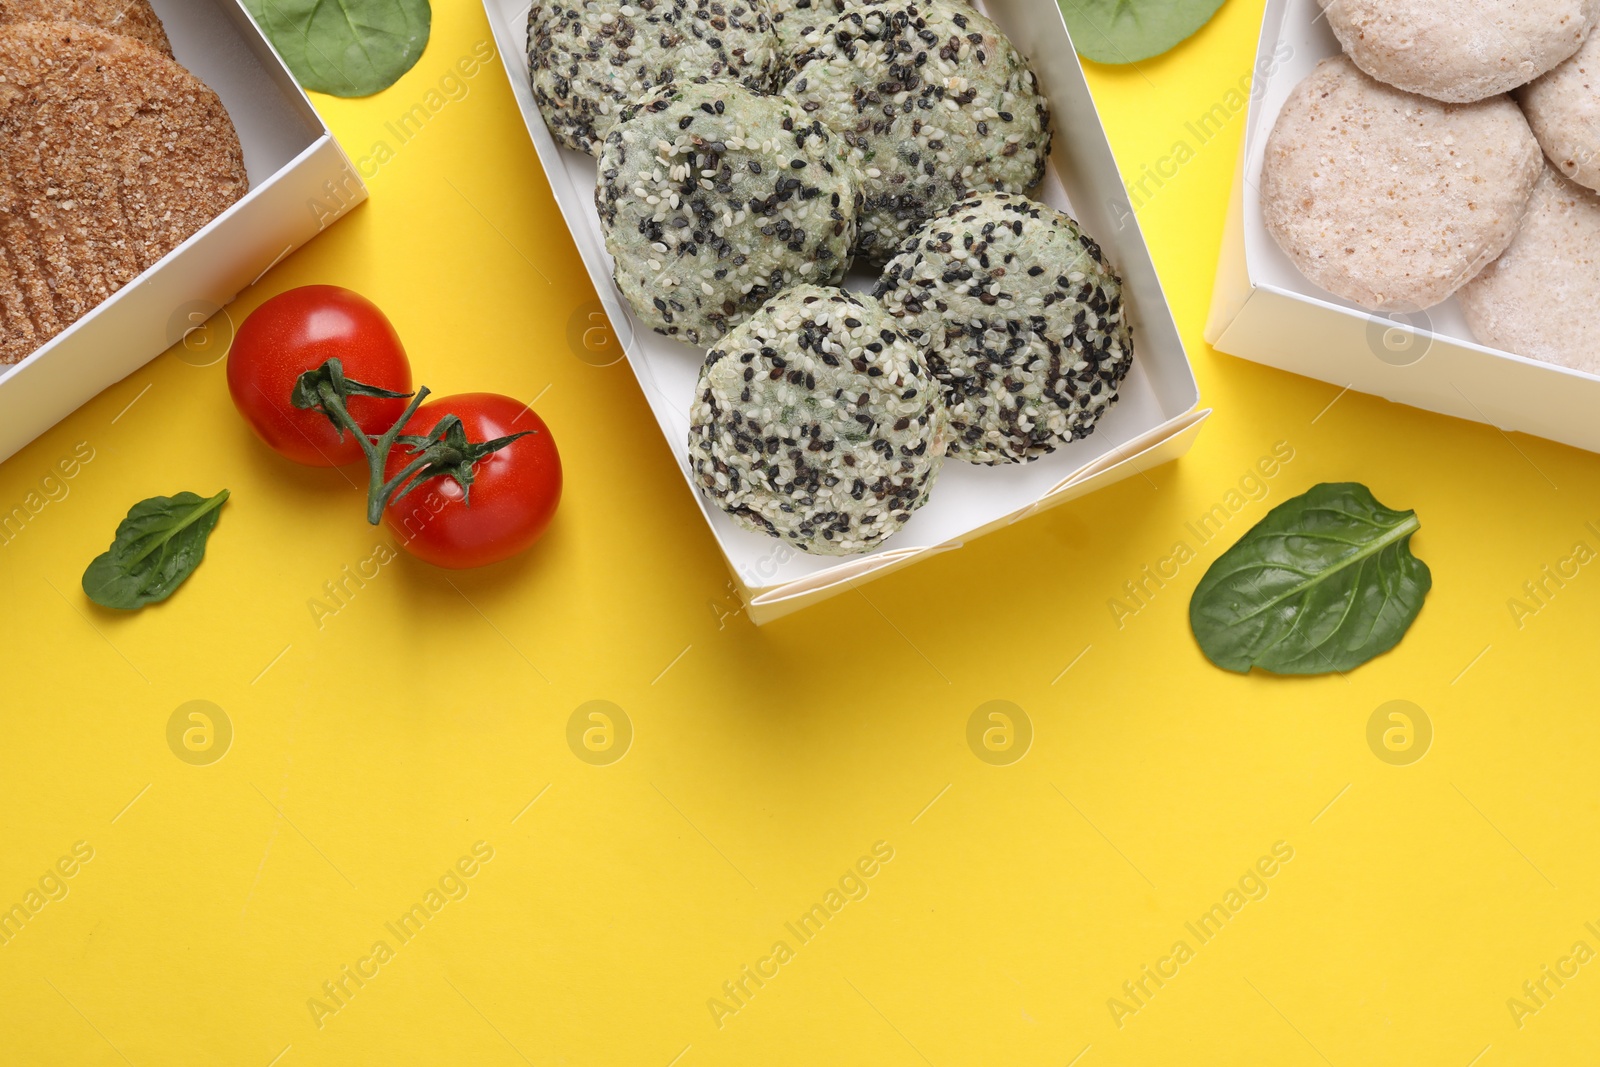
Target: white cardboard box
1155 420
300 181
1265 310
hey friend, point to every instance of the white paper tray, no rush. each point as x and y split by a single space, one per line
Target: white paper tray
1155 420
1266 311
300 182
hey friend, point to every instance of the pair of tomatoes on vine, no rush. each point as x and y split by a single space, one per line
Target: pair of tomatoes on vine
320 375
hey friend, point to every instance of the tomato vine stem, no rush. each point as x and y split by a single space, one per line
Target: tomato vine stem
444 451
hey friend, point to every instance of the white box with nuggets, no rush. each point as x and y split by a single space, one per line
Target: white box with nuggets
1265 310
300 181
1154 421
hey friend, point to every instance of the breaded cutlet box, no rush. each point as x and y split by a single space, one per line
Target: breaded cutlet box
776 219
156 157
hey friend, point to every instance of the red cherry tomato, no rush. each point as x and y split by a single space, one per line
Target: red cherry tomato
514 494
298 331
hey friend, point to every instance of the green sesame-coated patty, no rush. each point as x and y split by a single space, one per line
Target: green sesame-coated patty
588 58
933 102
714 199
1021 319
793 19
818 422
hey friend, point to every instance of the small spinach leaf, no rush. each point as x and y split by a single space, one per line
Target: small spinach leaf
157 547
1324 583
346 47
1126 31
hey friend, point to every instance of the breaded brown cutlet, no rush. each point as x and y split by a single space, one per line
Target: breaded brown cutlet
131 18
111 155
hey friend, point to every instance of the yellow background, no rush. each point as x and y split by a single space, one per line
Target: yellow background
424 716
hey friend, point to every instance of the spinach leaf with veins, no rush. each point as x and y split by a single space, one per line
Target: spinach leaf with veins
1126 31
1324 583
157 547
346 47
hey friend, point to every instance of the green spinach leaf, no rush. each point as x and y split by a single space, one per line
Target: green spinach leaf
157 547
1126 31
346 47
1324 583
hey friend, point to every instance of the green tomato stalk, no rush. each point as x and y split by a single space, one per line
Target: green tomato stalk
444 451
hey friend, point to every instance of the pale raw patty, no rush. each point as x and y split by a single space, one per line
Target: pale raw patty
1389 199
589 58
713 200
1563 107
1022 320
1539 299
933 102
818 422
1462 50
